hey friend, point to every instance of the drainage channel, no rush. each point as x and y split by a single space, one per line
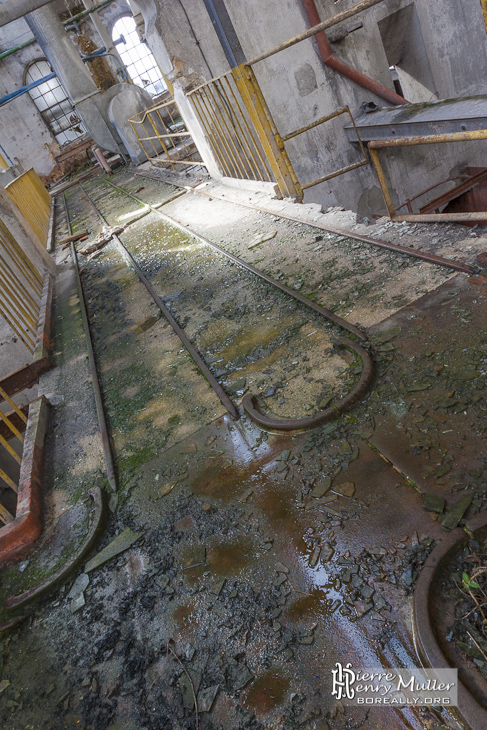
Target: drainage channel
266 421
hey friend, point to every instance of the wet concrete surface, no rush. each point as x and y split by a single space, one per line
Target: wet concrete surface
263 559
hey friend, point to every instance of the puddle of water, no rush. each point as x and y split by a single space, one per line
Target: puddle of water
183 615
222 560
267 692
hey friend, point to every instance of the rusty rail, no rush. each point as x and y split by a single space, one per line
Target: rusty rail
279 424
105 439
229 405
331 316
429 257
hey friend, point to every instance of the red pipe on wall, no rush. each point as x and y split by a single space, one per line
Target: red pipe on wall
351 73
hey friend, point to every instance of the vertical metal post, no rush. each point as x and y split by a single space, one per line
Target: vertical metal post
266 129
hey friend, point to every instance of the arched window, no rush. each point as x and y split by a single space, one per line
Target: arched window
53 103
138 60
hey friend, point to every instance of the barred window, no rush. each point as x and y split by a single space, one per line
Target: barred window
138 60
53 103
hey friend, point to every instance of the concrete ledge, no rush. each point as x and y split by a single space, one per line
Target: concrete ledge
63 572
425 638
50 234
43 335
26 527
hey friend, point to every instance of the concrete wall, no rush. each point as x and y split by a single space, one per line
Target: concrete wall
23 132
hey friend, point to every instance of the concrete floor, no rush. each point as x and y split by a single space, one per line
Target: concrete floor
262 560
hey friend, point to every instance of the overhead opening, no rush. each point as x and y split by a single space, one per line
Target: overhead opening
138 60
406 54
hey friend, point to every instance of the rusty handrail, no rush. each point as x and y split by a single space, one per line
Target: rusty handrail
344 15
273 423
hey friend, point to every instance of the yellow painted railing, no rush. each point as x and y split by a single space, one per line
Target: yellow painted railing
162 134
34 201
20 289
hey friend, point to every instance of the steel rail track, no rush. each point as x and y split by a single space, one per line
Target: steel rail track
100 411
226 401
414 253
265 421
296 295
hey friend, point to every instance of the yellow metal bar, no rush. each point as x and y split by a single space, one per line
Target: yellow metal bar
344 15
161 141
266 130
236 156
15 407
5 515
3 163
29 300
11 426
314 124
233 132
225 142
34 201
12 248
10 450
390 143
175 125
374 156
476 134
28 342
251 160
342 170
9 481
137 135
197 101
331 175
251 136
164 134
483 4
11 294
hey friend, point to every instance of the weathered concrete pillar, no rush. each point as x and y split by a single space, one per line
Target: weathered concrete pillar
101 30
72 73
176 49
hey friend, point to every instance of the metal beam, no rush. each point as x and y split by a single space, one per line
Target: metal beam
15 9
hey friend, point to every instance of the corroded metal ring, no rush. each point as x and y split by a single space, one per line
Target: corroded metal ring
278 424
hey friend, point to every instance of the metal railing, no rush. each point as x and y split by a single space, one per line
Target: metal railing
20 289
12 424
376 145
30 195
241 130
230 130
162 129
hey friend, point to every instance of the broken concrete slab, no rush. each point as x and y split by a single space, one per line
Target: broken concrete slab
347 489
121 543
456 512
79 586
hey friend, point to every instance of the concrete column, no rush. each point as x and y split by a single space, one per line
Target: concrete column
72 73
102 31
14 9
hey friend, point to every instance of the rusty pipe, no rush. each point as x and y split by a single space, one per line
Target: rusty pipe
351 73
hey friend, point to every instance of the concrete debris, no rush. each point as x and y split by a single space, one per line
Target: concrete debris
79 586
261 238
121 543
347 489
206 698
106 234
